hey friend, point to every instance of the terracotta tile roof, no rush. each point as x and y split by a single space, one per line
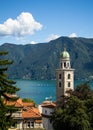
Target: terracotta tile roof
31 113
48 104
28 104
28 109
17 103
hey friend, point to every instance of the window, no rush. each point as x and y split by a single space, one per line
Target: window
14 125
68 76
59 84
32 124
59 76
28 124
67 64
64 64
68 84
45 111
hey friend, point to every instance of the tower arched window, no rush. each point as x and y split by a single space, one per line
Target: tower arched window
59 84
68 65
59 76
64 64
68 84
69 76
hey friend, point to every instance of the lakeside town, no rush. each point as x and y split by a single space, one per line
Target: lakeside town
46 65
70 107
38 117
30 116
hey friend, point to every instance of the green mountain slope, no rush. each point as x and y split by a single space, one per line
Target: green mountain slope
40 61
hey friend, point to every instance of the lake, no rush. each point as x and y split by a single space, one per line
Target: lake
39 90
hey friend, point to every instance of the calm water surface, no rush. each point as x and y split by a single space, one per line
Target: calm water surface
39 90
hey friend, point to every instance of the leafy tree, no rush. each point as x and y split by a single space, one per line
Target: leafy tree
72 117
7 89
89 110
28 100
83 91
76 111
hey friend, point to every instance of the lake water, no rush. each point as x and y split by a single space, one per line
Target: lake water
38 90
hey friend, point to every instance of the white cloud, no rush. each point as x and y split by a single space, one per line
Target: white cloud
23 25
33 42
52 37
73 35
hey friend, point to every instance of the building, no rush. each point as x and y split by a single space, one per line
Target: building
64 76
48 108
27 116
64 82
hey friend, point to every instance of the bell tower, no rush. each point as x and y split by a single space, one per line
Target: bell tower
64 76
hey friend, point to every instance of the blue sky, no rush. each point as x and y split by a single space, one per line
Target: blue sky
39 21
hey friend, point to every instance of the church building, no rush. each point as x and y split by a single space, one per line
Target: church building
64 76
64 82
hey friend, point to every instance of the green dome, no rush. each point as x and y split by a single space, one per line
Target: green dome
65 54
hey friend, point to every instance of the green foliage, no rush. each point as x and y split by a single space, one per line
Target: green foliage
77 113
83 91
7 87
28 100
40 61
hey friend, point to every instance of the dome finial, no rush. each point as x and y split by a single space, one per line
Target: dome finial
65 54
64 47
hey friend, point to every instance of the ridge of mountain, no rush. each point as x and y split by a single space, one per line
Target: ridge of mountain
40 61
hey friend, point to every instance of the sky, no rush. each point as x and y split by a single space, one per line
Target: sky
40 21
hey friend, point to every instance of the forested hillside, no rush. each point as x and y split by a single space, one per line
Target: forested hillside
40 61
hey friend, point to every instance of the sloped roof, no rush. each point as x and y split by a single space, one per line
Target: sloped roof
48 104
28 104
31 113
17 103
28 109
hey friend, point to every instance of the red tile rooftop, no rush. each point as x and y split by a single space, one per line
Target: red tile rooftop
17 103
28 104
31 113
27 108
49 104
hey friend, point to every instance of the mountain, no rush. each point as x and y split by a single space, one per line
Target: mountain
40 61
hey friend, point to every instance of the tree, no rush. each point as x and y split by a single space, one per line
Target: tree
89 110
28 100
76 111
72 117
83 91
7 89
